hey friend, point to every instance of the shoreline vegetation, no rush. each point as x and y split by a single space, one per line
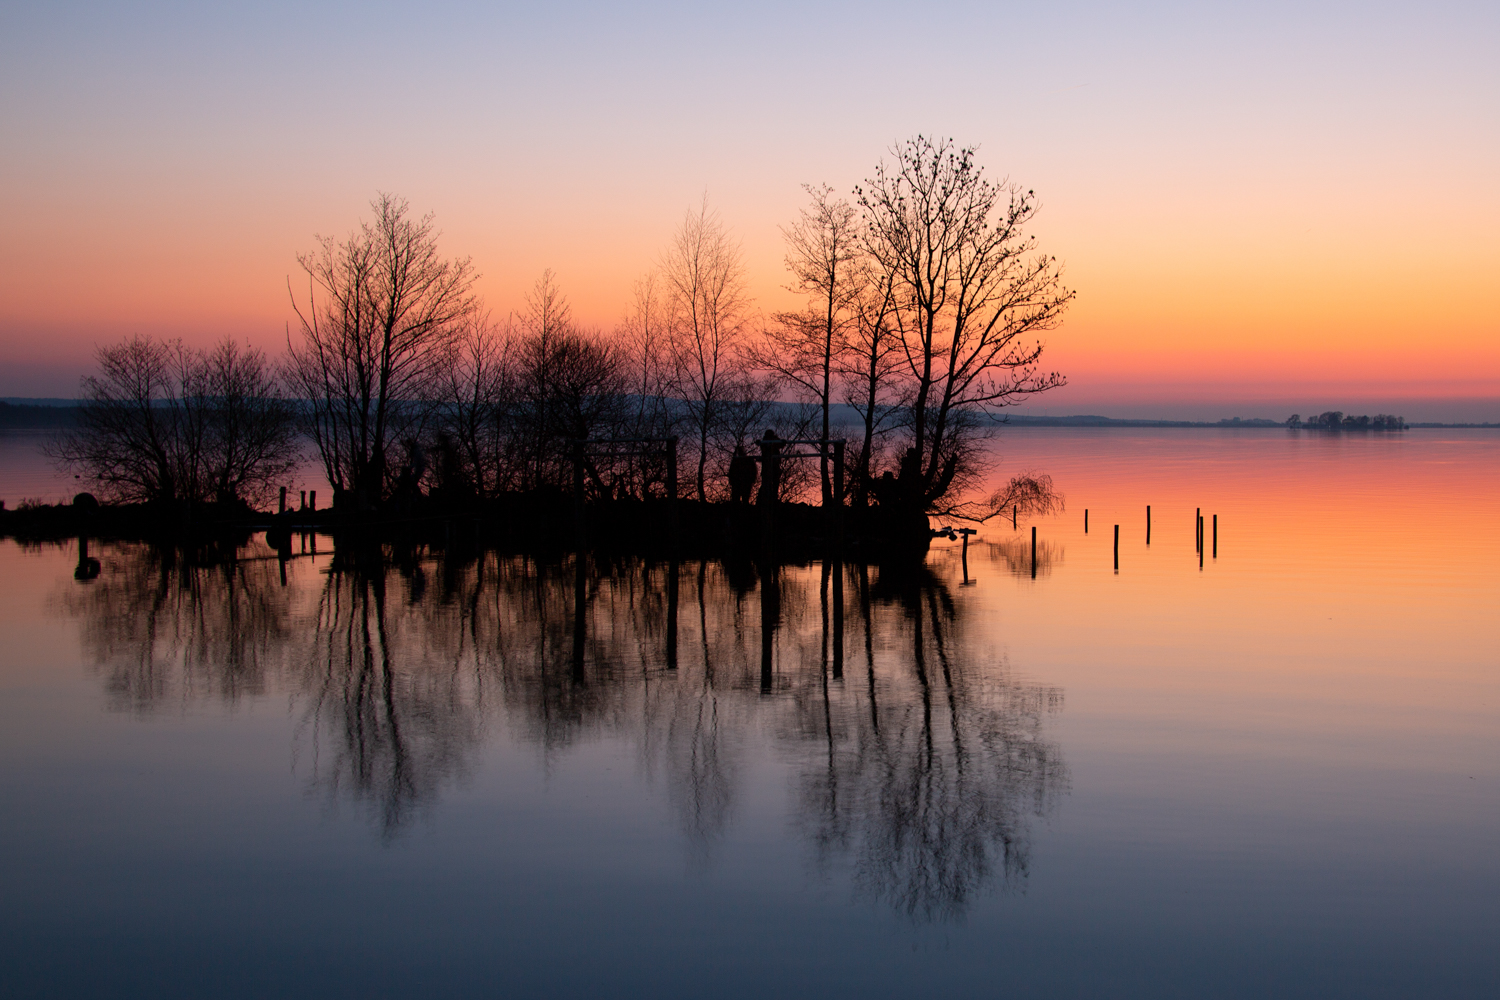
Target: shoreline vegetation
925 297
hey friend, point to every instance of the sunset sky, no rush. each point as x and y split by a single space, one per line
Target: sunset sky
1264 208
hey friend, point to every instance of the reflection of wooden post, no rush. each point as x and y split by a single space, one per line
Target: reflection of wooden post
580 594
672 614
578 494
672 488
770 611
88 566
838 618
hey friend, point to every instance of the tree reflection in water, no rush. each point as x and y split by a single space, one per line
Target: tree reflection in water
919 759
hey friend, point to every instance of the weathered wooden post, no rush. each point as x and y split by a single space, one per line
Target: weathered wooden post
1015 510
1085 520
1216 536
312 500
1033 552
770 486
303 504
281 506
1198 529
1148 524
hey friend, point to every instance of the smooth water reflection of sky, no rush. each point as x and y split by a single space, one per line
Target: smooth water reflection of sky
1276 775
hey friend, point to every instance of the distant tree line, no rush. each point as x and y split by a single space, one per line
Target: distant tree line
1337 420
924 296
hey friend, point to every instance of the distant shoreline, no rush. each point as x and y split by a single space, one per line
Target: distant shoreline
49 414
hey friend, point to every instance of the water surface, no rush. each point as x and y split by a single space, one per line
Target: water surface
1274 774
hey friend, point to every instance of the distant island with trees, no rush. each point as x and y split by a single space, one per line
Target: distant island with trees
1337 420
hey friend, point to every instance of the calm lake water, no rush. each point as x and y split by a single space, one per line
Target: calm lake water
1277 774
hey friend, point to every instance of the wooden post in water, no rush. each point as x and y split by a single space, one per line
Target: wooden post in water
1085 520
1148 524
1198 529
1216 536
1033 552
1117 548
1014 510
312 500
303 504
281 506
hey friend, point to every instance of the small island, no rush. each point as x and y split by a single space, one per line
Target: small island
1337 420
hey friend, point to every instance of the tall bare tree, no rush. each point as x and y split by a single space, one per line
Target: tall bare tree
869 365
704 273
382 310
802 349
970 292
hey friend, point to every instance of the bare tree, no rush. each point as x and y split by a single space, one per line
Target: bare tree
704 273
802 349
251 442
546 322
572 384
383 308
166 423
969 290
644 334
476 399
